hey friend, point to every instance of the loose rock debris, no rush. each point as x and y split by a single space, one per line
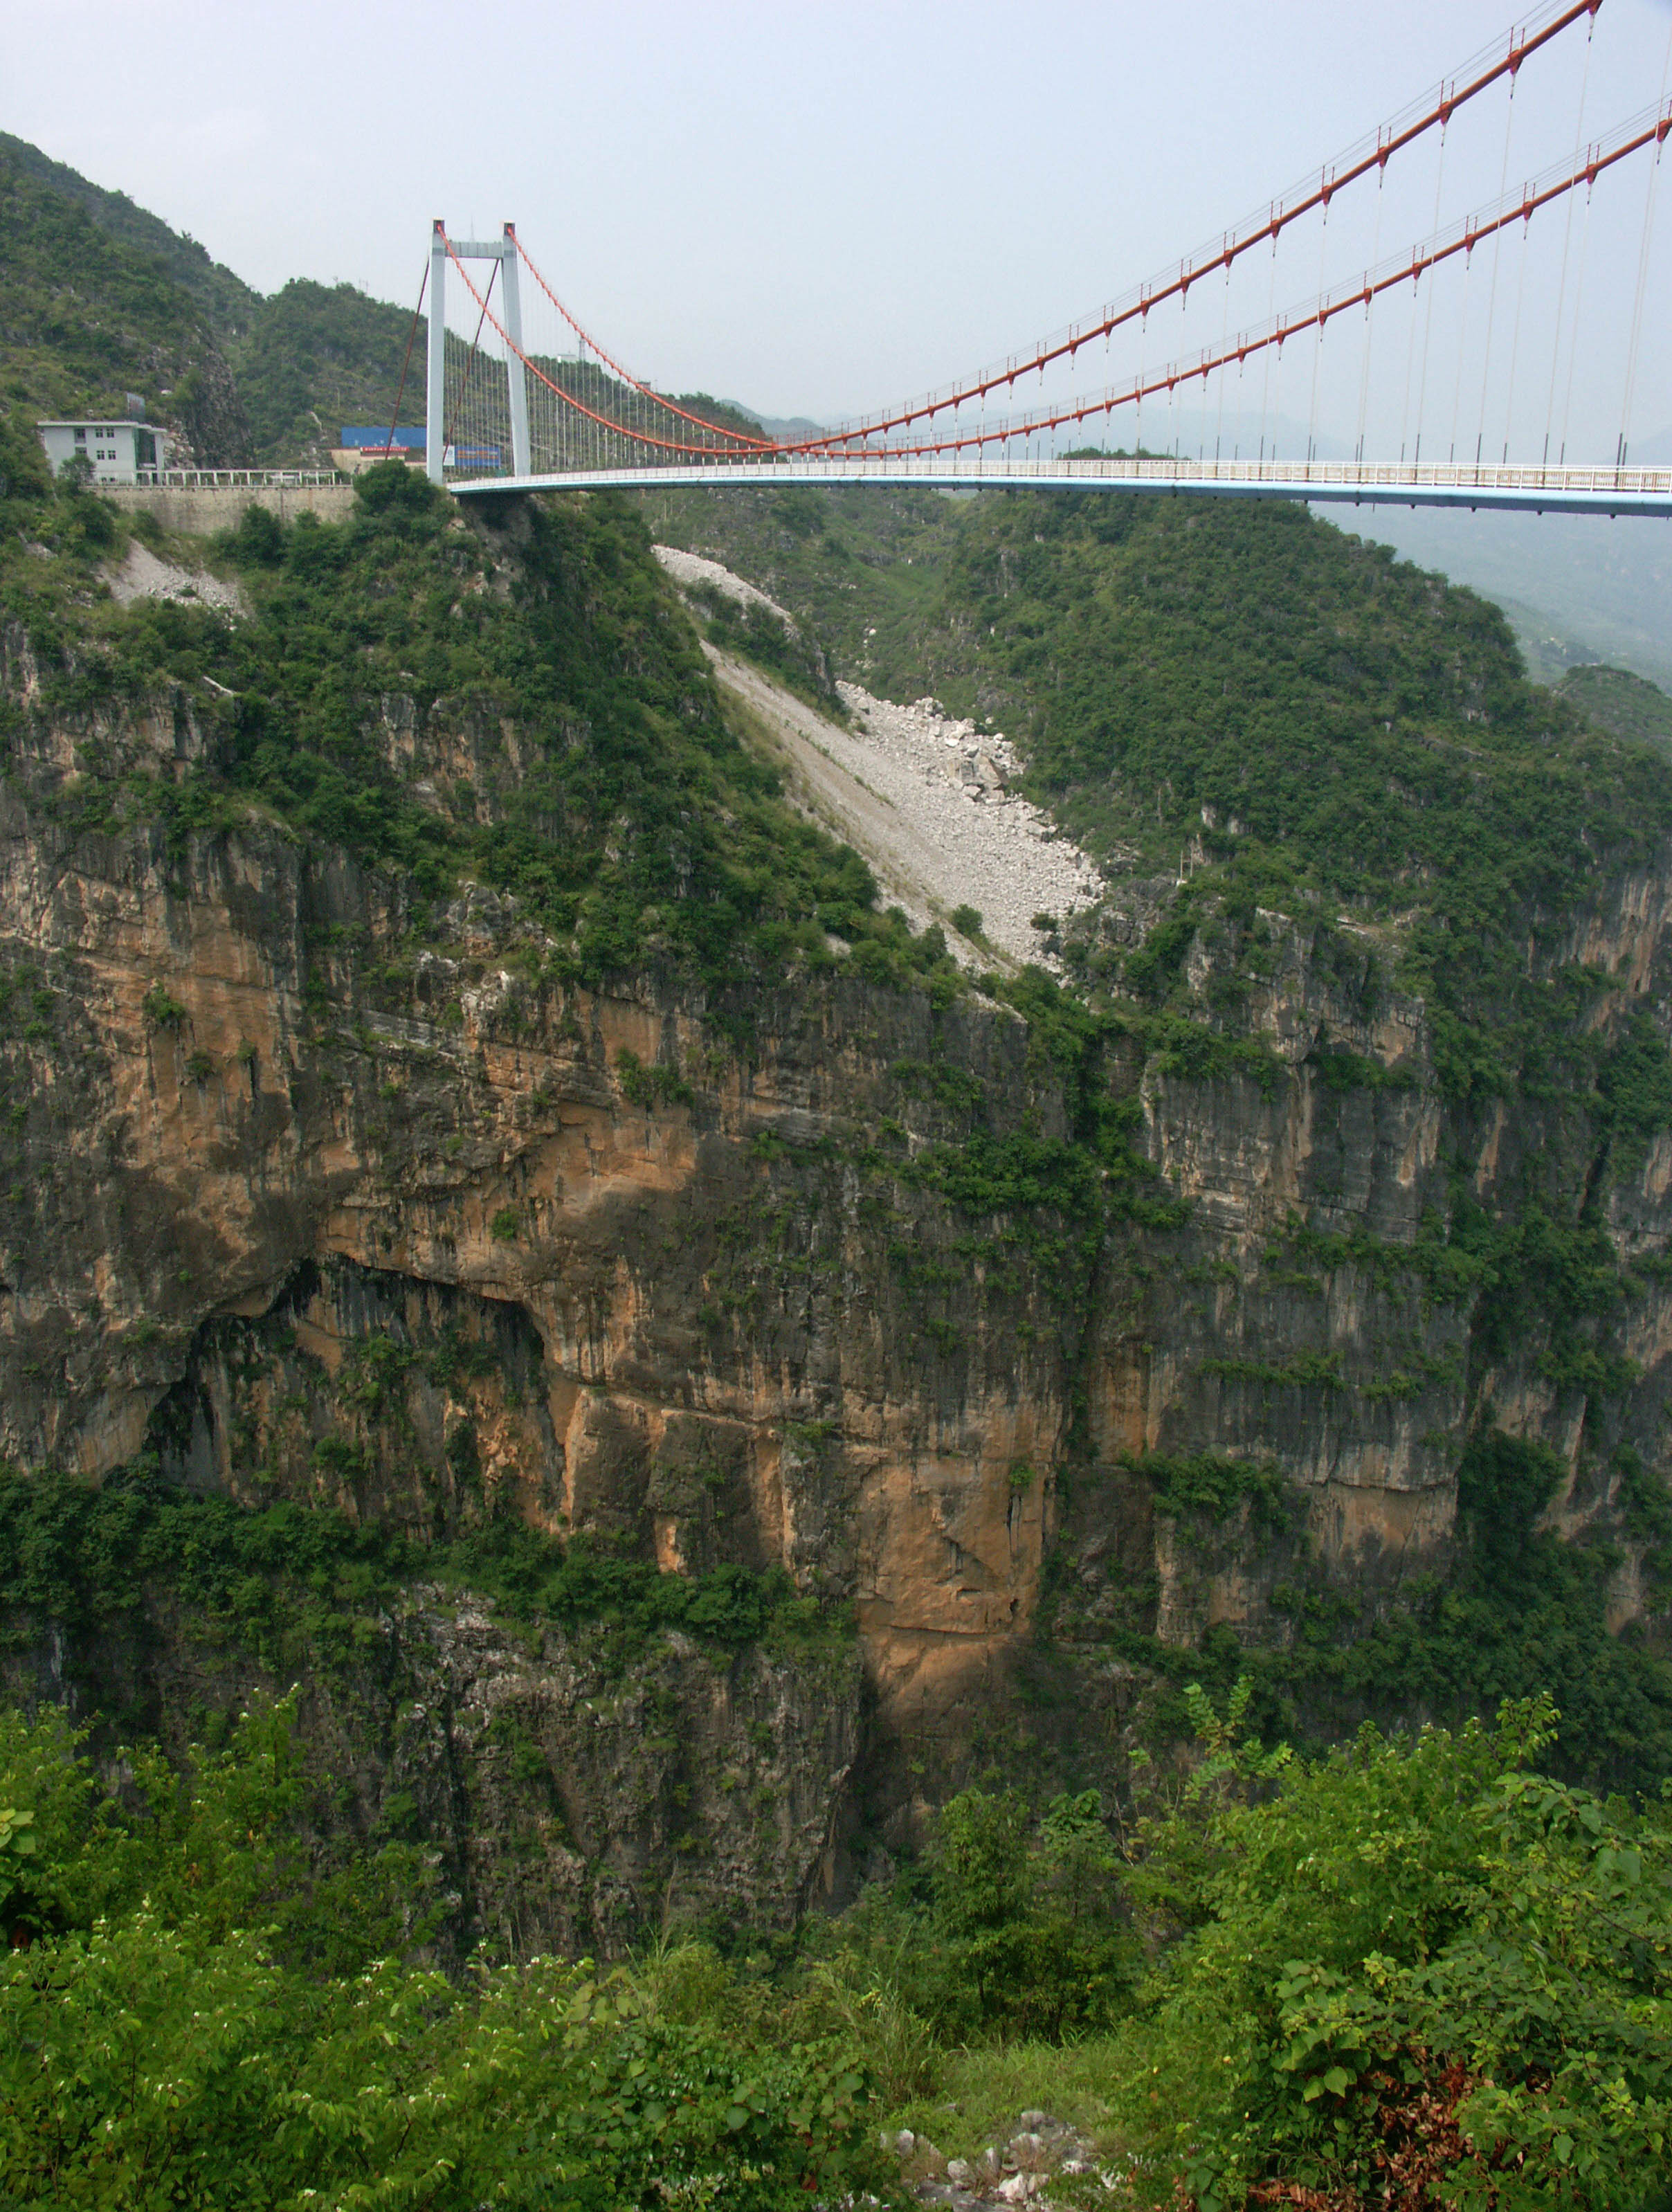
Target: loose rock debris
1017 2172
143 575
928 800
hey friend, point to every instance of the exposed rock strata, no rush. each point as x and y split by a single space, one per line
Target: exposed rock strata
255 1132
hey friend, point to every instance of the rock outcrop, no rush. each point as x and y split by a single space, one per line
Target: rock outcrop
270 1153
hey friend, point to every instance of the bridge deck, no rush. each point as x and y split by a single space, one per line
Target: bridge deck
1616 491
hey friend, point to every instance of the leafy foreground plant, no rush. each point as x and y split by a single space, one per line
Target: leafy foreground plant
1426 1976
163 2042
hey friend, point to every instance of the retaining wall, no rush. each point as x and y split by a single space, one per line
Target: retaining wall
199 510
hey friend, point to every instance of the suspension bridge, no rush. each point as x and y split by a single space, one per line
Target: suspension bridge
1482 366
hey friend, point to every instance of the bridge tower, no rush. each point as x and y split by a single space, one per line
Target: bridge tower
502 250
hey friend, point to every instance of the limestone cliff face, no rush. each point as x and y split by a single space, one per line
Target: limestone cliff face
319 1210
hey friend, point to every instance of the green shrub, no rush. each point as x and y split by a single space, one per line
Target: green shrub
1215 1488
200 2057
659 1085
1416 1949
161 1010
286 1579
1023 1932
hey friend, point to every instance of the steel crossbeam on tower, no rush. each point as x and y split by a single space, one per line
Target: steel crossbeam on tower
504 250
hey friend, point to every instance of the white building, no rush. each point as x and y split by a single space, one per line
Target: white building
117 452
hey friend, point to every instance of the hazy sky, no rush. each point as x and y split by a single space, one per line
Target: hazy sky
808 207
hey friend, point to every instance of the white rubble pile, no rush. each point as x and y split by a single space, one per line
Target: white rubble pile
1018 2171
142 575
694 569
925 799
1000 853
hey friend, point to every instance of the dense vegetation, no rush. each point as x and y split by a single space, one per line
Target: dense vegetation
296 1587
315 356
87 315
224 299
1630 705
1520 1609
1328 729
1412 1964
192 2018
783 649
640 826
1414 1967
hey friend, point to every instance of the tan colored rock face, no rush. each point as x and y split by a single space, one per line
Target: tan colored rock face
409 1242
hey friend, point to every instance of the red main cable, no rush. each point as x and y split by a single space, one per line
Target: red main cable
637 437
1506 56
1334 177
1651 128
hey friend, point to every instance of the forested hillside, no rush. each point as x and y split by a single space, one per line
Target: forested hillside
1303 720
224 299
88 316
99 298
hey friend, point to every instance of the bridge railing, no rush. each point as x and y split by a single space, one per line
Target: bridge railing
1163 469
1588 488
230 479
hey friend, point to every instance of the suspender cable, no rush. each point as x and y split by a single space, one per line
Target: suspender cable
1265 358
1491 295
470 363
1317 349
1224 334
1567 239
1578 304
1428 320
1515 341
1364 378
400 389
1642 278
1416 303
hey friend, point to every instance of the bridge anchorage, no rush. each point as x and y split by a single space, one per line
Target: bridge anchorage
1458 372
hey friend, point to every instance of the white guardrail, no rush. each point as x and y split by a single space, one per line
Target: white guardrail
228 479
1445 484
1623 489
